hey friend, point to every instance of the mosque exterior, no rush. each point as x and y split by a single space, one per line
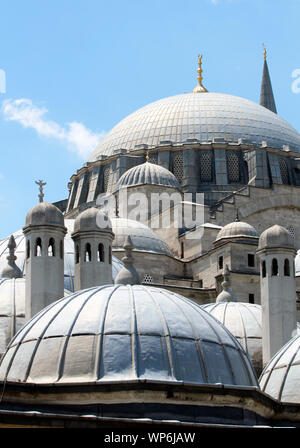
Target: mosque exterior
110 318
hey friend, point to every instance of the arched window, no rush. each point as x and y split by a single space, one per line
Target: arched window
51 248
101 252
61 249
178 165
220 262
28 249
263 269
88 253
76 254
38 247
233 166
206 166
286 268
274 267
109 255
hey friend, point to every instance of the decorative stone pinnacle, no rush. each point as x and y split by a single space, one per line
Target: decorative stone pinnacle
147 156
41 184
226 295
128 274
11 270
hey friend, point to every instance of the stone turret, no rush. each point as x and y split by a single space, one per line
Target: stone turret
44 233
92 238
278 289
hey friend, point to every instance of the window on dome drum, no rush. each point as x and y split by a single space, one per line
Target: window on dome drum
106 178
77 254
88 253
284 171
286 268
178 165
251 260
263 269
51 248
38 247
61 249
147 279
233 166
101 252
291 231
251 298
28 249
206 166
220 262
109 255
274 267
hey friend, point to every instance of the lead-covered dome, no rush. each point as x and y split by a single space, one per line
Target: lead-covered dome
237 229
281 377
244 321
44 213
275 236
148 174
120 333
204 117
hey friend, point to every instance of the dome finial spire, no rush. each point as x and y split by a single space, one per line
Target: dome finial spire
11 270
199 88
41 184
147 156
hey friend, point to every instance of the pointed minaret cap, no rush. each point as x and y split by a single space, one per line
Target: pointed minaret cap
227 295
199 88
266 93
11 270
128 274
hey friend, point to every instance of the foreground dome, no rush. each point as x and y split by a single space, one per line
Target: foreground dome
119 333
203 117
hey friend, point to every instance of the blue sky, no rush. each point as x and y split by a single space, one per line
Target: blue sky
74 68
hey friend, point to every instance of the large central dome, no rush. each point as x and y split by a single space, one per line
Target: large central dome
203 116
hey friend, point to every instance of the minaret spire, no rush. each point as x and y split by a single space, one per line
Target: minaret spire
199 88
266 93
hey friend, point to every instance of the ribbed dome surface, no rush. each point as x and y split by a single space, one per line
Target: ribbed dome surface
281 377
124 333
244 321
237 229
12 309
150 174
275 236
92 219
202 117
68 259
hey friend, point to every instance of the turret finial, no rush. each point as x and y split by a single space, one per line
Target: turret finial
199 88
128 274
11 270
237 218
41 184
147 156
227 294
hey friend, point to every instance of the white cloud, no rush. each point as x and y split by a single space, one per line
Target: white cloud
74 135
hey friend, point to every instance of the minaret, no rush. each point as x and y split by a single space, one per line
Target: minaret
226 295
278 289
128 274
44 235
266 93
11 270
92 238
199 88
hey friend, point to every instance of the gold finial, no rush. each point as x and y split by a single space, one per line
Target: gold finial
147 156
265 52
200 88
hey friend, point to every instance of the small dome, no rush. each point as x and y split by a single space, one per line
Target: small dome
237 229
68 258
143 238
92 219
44 213
150 174
281 377
275 236
244 321
119 333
